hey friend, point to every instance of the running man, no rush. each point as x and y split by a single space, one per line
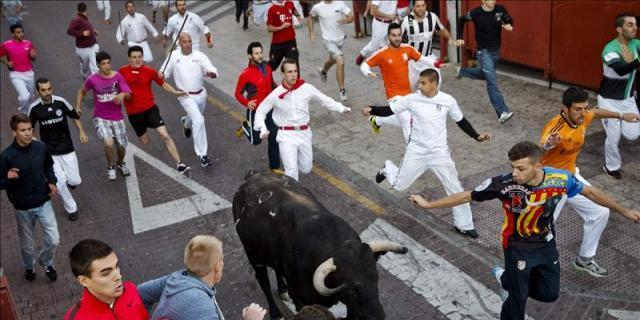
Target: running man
620 61
135 26
17 55
489 20
280 25
332 14
109 91
393 62
383 13
86 43
51 113
532 193
188 68
194 26
257 81
429 109
290 105
141 107
562 139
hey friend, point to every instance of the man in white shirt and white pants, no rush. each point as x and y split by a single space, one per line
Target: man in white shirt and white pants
290 104
194 26
427 147
383 12
188 68
135 26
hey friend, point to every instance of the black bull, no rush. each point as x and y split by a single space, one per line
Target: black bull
317 257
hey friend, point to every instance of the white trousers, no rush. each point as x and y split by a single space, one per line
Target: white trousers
296 152
23 83
378 38
194 105
146 50
616 128
66 169
401 120
106 6
595 219
415 163
87 58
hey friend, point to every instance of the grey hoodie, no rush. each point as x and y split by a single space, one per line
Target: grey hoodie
180 295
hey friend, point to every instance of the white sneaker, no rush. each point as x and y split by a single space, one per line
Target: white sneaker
323 75
343 95
111 173
505 116
122 168
497 273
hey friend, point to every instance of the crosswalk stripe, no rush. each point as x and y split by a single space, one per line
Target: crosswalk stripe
203 6
220 10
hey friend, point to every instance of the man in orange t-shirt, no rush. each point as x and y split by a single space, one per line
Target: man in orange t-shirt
562 138
393 61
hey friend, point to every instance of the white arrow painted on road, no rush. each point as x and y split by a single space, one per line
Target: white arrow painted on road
204 201
624 314
449 289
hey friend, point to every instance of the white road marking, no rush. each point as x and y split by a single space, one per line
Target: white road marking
444 286
204 201
217 11
624 314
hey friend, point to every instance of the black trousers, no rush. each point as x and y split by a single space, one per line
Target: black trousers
279 51
254 137
528 273
241 9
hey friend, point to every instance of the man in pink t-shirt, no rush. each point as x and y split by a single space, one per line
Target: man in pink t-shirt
109 91
17 55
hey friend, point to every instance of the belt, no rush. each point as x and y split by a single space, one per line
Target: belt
141 41
194 92
296 128
382 20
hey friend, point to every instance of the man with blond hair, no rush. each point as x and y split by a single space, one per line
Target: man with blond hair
189 293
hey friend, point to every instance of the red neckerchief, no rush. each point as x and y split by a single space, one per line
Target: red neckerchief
297 85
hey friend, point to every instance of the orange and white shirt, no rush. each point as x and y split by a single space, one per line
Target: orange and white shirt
394 67
564 155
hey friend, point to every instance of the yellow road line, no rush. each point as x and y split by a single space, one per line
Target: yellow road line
336 182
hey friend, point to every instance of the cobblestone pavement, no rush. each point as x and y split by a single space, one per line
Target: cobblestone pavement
346 159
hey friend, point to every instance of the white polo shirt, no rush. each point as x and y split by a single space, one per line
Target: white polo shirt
429 119
386 6
194 26
135 27
328 14
188 71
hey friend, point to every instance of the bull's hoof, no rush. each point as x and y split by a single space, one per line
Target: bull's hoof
404 250
285 296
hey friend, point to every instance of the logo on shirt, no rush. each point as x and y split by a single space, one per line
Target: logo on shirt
59 113
498 16
405 57
518 201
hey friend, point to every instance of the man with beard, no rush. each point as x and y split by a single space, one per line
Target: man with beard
135 26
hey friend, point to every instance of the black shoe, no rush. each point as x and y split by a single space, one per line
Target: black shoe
73 216
30 274
186 131
237 19
71 187
51 273
467 233
183 168
380 176
205 162
612 173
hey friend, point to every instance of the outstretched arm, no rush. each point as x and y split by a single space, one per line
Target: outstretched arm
596 195
451 201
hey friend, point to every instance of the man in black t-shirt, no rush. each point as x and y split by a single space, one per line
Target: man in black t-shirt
489 20
52 112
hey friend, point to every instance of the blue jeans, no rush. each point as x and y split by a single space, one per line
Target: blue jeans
26 220
487 71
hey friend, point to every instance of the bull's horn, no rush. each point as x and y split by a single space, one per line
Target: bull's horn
320 274
384 245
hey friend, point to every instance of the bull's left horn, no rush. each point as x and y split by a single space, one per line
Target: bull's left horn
320 274
384 245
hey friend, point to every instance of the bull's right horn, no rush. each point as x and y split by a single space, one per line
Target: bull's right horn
320 274
384 245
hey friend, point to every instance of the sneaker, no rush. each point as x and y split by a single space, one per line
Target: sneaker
122 168
111 173
375 128
467 233
205 162
277 171
240 131
186 131
343 95
51 273
183 168
505 116
590 267
323 75
380 176
612 173
359 59
497 273
73 216
30 274
458 69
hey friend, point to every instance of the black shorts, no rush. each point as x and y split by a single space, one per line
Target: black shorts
282 50
148 119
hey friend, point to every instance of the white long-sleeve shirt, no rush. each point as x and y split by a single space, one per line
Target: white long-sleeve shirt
188 71
293 109
135 28
194 26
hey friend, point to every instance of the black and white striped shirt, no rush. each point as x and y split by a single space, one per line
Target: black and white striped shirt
419 34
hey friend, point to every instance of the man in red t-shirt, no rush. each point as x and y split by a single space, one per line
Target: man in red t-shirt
141 108
280 23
